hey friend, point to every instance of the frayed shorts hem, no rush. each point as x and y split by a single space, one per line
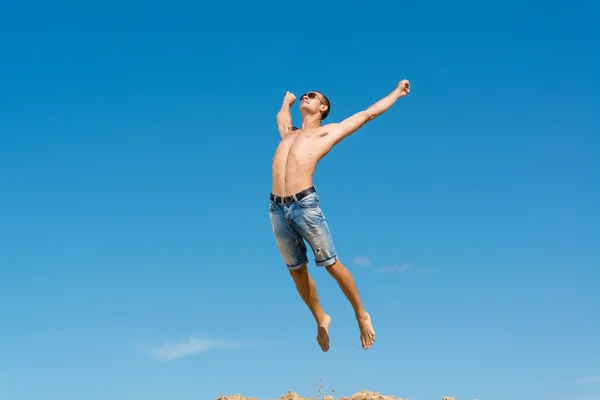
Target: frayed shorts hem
297 266
322 263
327 262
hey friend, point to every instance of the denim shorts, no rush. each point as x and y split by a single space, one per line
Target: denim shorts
302 220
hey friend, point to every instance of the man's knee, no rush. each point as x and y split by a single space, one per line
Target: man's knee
299 272
335 268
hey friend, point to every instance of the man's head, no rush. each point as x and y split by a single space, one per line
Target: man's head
314 102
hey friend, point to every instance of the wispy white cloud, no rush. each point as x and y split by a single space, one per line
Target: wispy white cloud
587 379
361 261
397 269
172 349
428 270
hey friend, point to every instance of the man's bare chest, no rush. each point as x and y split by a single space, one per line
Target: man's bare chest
304 138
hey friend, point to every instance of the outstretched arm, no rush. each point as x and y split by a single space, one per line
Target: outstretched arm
353 123
284 116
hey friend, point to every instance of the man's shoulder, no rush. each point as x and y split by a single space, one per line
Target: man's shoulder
330 127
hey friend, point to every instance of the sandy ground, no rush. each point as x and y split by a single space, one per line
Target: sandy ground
362 395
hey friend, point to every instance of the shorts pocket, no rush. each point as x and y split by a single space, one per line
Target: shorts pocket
310 201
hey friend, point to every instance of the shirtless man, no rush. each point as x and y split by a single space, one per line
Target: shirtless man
294 205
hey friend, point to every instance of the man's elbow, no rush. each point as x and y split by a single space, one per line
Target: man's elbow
369 115
283 117
282 120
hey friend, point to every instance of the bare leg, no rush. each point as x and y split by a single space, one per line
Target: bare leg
346 282
308 291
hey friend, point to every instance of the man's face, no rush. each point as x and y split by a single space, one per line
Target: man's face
312 102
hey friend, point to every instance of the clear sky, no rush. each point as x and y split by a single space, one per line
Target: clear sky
136 256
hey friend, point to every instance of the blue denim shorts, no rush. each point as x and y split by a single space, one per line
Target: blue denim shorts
302 220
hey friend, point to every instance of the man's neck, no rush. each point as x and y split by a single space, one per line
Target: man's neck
311 121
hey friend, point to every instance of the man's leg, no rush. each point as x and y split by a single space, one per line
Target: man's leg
346 282
308 291
310 221
293 250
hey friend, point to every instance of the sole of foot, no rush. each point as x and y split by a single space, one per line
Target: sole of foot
323 333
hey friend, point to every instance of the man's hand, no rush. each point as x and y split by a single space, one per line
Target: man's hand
289 99
404 87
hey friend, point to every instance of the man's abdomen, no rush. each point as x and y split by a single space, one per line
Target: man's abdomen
291 177
291 181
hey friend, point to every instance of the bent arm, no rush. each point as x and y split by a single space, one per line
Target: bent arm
284 119
353 123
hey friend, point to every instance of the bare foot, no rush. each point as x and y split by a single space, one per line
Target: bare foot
367 333
323 334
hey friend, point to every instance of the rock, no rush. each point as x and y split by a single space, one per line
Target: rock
362 395
292 396
368 395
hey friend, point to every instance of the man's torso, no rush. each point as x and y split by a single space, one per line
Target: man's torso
296 158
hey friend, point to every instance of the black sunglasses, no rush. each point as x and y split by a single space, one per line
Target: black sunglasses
311 95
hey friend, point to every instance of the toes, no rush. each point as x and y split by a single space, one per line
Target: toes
367 340
324 345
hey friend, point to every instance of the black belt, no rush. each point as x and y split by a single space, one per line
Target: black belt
296 197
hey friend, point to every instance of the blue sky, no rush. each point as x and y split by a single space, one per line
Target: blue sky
136 256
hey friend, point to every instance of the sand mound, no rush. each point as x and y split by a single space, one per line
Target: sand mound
362 395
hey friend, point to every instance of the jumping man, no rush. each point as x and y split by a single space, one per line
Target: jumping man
294 206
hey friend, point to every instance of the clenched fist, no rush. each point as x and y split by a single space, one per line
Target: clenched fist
289 98
404 87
